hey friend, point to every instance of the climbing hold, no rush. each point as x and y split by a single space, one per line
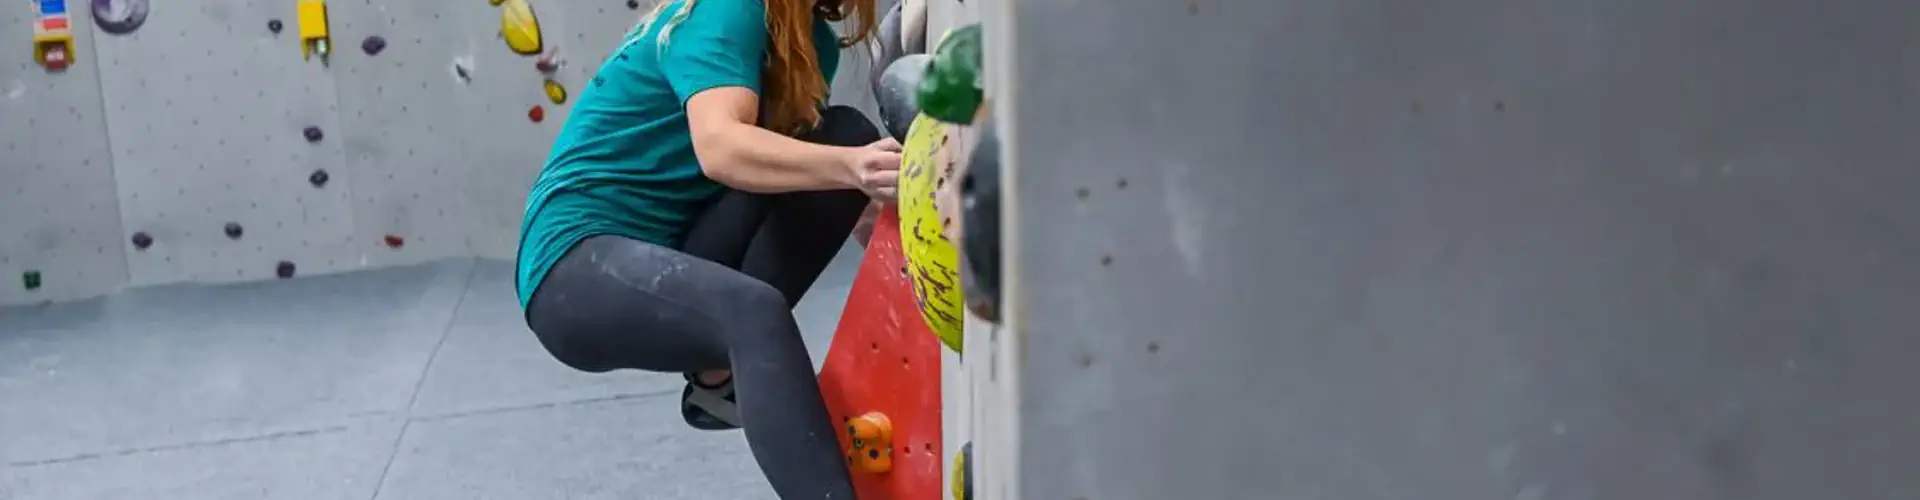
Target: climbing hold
314 37
963 473
319 178
933 264
274 26
394 241
537 114
980 221
141 240
373 44
233 230
950 91
312 134
886 46
549 62
520 28
870 443
495 3
633 4
30 280
284 270
119 21
460 71
896 93
556 93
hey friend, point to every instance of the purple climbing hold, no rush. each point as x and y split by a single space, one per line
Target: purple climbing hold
141 240
313 134
373 44
284 270
234 231
319 178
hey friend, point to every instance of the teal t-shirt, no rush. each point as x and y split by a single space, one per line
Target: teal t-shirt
623 163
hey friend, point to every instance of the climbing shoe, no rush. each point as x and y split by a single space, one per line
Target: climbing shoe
709 408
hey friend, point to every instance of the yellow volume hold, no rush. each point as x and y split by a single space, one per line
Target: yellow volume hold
520 28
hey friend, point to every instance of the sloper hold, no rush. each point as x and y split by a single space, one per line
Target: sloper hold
520 28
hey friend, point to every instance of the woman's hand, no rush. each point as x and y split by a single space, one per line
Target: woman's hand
875 169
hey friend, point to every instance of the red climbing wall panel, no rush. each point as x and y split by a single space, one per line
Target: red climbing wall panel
885 359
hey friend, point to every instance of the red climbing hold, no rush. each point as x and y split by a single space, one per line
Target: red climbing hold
394 241
537 114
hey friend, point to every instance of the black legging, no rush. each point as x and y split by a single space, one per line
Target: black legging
722 301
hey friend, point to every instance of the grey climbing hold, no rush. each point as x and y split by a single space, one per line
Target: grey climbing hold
980 220
130 15
897 92
274 26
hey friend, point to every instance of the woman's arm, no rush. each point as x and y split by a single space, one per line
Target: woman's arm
735 152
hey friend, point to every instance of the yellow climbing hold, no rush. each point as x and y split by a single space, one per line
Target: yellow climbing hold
556 93
520 28
933 265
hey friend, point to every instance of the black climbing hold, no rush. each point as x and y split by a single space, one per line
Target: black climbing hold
313 134
373 44
319 178
233 230
141 240
284 270
274 26
30 280
980 205
633 4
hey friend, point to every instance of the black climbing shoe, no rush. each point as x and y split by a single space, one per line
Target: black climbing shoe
709 408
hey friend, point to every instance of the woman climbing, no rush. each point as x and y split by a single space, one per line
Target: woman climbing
678 218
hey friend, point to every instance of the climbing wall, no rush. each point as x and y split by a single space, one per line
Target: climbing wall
1479 249
208 113
59 216
442 161
133 165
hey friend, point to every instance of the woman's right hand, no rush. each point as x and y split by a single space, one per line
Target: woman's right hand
875 169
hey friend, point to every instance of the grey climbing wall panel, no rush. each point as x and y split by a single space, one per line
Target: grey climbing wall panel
195 121
207 109
1479 249
58 211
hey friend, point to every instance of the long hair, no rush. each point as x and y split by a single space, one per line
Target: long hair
792 86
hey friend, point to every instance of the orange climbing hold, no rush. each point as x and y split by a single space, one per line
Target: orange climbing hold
871 443
882 378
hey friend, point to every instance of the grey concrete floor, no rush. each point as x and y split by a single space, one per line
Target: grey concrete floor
417 383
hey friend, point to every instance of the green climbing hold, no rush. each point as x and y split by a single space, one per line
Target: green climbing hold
950 91
30 280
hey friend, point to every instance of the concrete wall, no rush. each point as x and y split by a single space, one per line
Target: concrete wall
1462 250
195 121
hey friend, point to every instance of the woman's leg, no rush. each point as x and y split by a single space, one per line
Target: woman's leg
613 303
785 240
